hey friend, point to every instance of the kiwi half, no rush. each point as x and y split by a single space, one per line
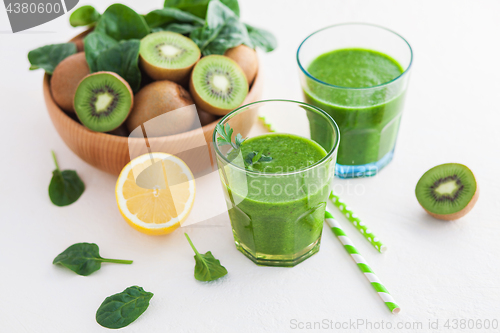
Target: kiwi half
65 79
166 55
447 191
218 84
103 101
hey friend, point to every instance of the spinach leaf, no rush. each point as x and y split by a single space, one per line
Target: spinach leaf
65 186
123 59
222 30
95 43
49 56
207 268
120 310
199 7
262 38
122 23
84 258
180 28
84 16
160 17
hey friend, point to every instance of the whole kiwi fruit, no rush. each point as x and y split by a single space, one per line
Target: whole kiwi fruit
79 44
156 99
103 101
246 57
65 79
206 118
447 191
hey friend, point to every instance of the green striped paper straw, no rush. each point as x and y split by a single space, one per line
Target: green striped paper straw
358 224
266 124
362 264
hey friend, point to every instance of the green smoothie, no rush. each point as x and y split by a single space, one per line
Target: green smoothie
276 212
368 118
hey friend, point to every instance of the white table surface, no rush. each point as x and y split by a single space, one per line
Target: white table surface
435 270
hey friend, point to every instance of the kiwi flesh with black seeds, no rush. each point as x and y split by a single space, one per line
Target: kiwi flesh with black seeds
103 101
65 79
167 55
218 84
447 191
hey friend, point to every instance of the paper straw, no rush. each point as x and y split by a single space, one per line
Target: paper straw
362 264
266 124
358 224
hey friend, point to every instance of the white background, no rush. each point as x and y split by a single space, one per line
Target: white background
435 270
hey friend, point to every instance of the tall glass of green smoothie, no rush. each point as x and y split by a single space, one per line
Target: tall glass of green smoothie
358 74
276 185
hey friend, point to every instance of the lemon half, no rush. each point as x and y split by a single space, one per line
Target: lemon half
155 193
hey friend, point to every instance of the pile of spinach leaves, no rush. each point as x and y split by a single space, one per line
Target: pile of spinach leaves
113 45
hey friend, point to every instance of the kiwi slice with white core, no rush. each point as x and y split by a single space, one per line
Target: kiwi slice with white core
166 55
218 84
103 101
447 191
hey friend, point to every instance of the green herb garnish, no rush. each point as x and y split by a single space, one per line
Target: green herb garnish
225 138
207 268
226 133
65 186
84 258
256 157
120 310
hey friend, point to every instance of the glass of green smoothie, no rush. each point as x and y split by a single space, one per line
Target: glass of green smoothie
358 73
276 185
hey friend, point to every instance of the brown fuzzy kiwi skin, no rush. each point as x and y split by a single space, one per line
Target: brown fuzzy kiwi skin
156 99
246 57
459 214
177 75
79 44
206 118
201 104
66 77
132 100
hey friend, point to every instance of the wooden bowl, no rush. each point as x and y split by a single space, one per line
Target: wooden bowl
110 153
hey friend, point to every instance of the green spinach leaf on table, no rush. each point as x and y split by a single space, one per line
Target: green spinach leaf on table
207 268
65 186
122 59
49 56
84 258
122 309
83 16
122 23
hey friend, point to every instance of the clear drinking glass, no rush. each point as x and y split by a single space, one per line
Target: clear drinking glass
368 117
277 218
